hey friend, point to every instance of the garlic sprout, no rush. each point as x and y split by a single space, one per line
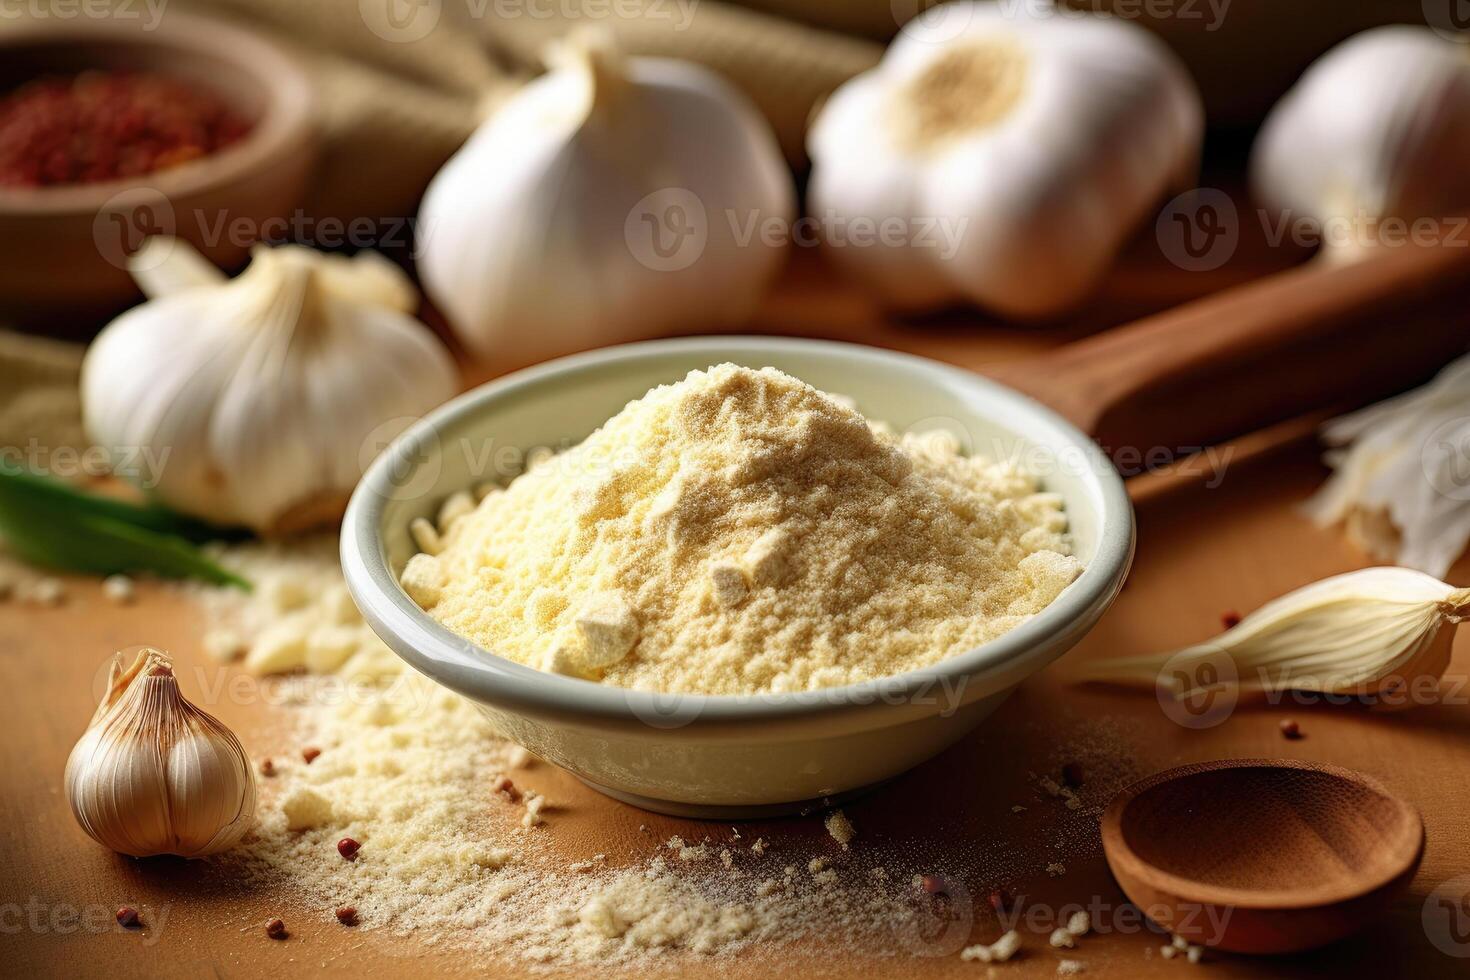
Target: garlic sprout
153 774
1377 129
1401 480
1006 152
257 401
1362 633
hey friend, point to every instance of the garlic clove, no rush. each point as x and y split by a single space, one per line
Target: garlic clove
1360 633
153 774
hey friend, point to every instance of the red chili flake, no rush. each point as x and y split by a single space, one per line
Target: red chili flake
348 848
1230 619
1072 774
347 915
1291 730
276 929
267 767
108 125
1000 899
310 753
502 784
933 885
127 917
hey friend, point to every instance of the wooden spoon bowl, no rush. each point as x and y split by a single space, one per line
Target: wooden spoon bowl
1261 855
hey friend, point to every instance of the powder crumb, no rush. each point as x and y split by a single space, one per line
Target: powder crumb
1062 939
1000 951
726 858
535 805
770 539
1018 809
1070 968
306 809
758 847
1055 869
1079 923
1168 952
518 757
825 877
119 589
817 864
44 592
841 829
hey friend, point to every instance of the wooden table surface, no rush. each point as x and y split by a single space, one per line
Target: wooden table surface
1200 552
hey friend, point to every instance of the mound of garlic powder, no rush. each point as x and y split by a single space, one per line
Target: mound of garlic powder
742 532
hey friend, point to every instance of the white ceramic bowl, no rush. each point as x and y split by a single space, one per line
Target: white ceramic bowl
729 756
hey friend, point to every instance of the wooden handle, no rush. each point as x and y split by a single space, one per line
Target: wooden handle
1316 335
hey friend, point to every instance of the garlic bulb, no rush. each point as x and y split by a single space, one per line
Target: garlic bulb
153 774
607 198
258 401
1010 151
1362 633
1399 483
1377 128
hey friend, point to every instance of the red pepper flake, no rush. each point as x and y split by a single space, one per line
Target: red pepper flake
933 885
1230 619
1072 774
1000 899
502 784
347 915
348 848
310 753
109 125
276 929
1291 730
267 767
127 917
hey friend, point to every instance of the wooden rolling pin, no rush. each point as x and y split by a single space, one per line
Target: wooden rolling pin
1316 336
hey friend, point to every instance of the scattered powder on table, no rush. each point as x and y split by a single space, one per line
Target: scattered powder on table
741 532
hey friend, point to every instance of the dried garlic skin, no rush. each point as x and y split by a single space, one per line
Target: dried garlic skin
153 774
1360 633
1398 485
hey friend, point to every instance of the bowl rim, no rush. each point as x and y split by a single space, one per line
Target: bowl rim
285 121
484 676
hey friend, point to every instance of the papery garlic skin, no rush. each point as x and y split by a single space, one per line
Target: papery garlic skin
1377 128
1359 633
1046 139
153 774
1398 482
259 400
609 198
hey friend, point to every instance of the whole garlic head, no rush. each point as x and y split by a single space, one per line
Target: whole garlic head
607 198
153 774
257 401
1377 128
1036 140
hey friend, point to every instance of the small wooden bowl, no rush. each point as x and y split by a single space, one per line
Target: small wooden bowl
63 249
1261 855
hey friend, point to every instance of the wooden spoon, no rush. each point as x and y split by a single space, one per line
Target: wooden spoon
1261 855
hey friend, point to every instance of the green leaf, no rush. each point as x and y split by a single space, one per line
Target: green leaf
48 523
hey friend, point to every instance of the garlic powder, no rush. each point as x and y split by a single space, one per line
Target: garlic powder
742 532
